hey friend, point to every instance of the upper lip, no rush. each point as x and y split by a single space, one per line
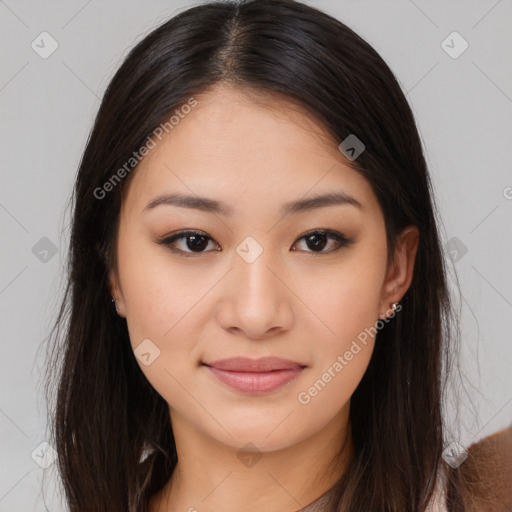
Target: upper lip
264 364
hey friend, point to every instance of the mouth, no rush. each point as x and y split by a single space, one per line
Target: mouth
255 376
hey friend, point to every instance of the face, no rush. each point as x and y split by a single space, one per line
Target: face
244 274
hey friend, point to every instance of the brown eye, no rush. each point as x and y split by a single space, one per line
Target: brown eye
317 240
195 242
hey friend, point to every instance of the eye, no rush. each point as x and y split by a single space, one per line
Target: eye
318 240
195 242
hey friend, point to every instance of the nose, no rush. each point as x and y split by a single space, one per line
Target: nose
256 301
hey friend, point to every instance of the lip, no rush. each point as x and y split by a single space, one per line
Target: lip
263 364
255 376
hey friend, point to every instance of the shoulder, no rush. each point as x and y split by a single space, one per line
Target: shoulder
487 473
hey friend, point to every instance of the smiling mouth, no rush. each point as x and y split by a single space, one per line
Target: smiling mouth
249 381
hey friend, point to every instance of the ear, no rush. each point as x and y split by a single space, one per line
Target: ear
401 270
115 292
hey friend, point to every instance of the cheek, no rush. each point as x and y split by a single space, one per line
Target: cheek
158 292
328 390
165 303
161 314
348 309
348 306
346 299
342 357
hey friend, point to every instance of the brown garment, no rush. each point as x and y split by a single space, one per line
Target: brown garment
488 472
488 469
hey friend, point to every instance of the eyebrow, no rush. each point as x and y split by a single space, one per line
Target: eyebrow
213 206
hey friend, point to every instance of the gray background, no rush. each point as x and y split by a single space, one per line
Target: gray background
463 108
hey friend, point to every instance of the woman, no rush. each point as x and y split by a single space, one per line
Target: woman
255 201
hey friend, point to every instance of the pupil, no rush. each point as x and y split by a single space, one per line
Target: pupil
317 244
195 238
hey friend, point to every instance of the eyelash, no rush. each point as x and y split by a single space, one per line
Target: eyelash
335 235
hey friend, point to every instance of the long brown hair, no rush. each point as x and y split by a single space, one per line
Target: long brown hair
105 415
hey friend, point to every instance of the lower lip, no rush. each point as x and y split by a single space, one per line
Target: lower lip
255 382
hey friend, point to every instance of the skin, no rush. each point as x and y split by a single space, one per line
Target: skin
254 154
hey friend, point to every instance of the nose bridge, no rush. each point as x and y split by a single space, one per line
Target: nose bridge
256 300
252 262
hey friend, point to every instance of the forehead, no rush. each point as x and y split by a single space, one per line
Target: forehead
240 122
250 145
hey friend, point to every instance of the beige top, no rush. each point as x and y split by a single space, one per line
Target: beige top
319 504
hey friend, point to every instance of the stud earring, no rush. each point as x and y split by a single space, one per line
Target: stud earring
383 316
